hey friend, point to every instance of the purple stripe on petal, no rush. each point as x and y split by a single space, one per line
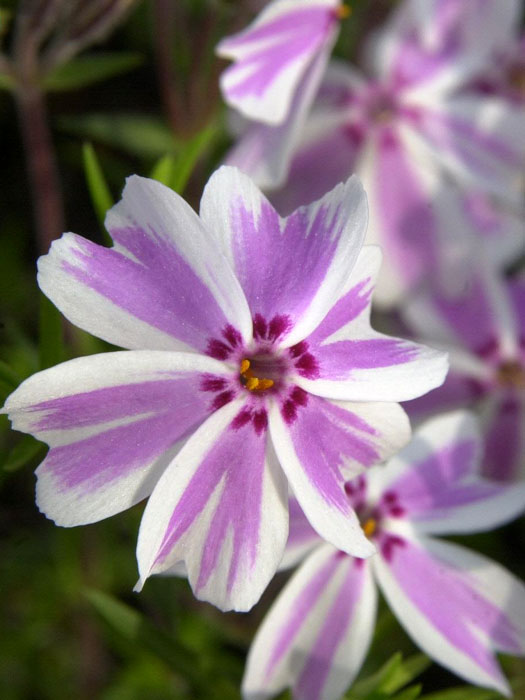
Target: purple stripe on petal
504 456
326 437
302 607
404 211
337 360
234 465
262 247
321 657
448 598
159 287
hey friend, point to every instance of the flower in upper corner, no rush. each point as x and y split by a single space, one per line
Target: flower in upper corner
251 365
280 57
407 126
483 329
458 606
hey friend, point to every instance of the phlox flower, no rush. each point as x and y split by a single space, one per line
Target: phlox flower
279 58
483 329
404 126
250 365
458 606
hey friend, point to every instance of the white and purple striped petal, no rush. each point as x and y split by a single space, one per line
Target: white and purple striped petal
302 538
435 481
221 507
502 416
320 445
458 606
316 635
273 55
113 422
163 286
293 267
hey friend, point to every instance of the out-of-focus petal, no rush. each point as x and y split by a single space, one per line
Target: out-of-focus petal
273 55
221 507
502 416
458 606
163 286
113 422
437 484
302 538
317 634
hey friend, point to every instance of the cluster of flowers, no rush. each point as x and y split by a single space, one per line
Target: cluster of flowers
255 404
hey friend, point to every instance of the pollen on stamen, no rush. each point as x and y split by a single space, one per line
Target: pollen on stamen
369 527
245 366
343 12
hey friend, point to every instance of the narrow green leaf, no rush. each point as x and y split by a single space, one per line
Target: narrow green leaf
97 185
406 672
463 692
366 686
51 344
8 376
164 169
188 156
6 82
25 451
409 693
135 628
139 134
86 70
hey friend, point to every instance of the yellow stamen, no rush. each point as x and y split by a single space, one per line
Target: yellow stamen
511 373
264 384
369 527
250 381
343 11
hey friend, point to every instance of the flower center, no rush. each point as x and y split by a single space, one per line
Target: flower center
250 380
511 373
343 12
516 78
369 527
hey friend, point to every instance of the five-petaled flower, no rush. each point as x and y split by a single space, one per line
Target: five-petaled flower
412 119
458 606
251 365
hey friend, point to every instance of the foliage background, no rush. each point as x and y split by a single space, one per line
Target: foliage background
144 100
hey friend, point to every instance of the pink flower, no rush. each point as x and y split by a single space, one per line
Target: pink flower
405 129
458 606
484 331
251 366
281 56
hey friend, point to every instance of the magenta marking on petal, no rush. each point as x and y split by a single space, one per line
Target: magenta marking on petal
212 383
307 366
279 325
222 399
298 349
389 545
260 421
260 327
232 335
299 396
244 416
218 349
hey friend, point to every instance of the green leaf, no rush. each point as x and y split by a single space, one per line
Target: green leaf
409 693
164 170
189 155
86 70
135 628
50 344
406 672
366 686
138 134
6 82
25 451
97 186
464 692
8 376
